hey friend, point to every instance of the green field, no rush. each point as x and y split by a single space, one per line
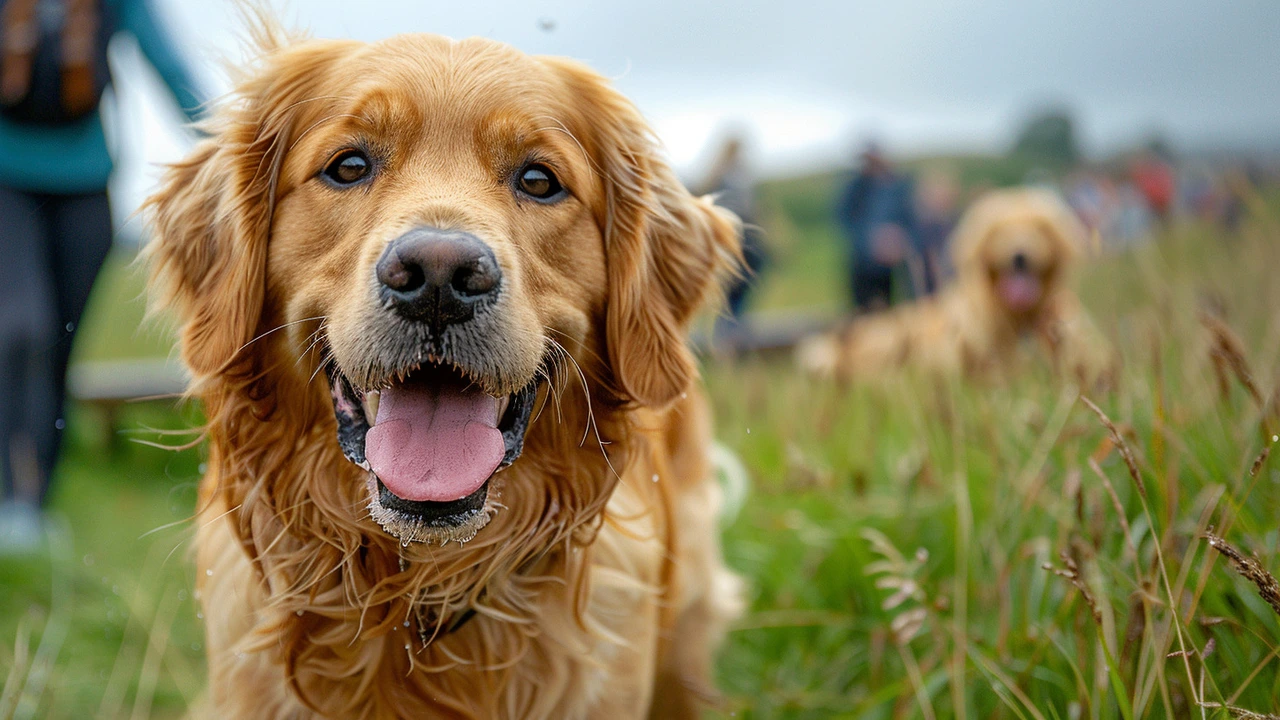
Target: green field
896 537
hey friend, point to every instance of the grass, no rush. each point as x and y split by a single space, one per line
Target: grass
913 548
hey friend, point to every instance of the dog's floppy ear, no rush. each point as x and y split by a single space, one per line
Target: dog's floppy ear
212 215
666 250
971 232
1061 225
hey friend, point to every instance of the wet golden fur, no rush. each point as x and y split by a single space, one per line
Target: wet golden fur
598 583
966 328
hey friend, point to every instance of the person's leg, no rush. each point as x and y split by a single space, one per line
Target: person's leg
736 296
27 337
855 285
754 258
872 291
81 234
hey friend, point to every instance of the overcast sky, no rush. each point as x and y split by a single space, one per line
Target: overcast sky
808 79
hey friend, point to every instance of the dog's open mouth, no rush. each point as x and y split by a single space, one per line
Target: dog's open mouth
1019 290
431 441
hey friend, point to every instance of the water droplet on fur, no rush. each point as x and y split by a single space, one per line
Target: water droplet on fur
655 477
684 396
208 573
406 623
407 646
298 613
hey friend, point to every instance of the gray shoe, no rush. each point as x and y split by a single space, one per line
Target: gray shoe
21 528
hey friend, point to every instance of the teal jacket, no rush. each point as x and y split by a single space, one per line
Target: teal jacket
73 158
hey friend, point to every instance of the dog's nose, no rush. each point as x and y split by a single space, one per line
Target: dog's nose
438 276
1020 262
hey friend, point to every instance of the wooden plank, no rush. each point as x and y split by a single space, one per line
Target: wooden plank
111 381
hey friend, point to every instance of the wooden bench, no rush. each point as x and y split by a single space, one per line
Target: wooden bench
108 384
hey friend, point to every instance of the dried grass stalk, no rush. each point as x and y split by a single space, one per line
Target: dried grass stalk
1126 452
1228 350
1239 712
1257 463
1249 568
1071 571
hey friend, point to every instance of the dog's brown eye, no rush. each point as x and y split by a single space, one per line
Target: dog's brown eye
538 181
347 167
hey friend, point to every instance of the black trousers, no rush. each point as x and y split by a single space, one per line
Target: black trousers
872 287
51 249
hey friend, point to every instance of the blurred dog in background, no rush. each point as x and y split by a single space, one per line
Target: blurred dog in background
1015 252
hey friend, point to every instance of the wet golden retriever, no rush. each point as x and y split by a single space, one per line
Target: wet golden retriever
1015 252
434 297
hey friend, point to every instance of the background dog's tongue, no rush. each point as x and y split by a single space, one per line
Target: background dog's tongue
1020 291
434 440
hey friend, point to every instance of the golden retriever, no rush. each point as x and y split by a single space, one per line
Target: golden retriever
1014 251
434 297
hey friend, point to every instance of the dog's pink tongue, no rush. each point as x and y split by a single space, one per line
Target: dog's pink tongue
1020 291
434 441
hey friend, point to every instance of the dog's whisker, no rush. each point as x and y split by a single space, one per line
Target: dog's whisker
275 329
592 426
324 360
315 338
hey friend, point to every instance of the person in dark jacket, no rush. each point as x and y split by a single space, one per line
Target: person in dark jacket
54 167
732 181
877 213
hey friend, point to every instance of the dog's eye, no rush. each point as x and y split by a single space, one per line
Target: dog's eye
348 167
539 182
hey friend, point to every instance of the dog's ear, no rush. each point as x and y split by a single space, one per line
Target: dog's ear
665 249
211 217
976 225
1063 228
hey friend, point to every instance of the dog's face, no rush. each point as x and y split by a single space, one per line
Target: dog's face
1017 247
445 233
428 220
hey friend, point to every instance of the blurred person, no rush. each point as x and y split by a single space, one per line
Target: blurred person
1201 194
876 210
733 183
1238 188
1131 218
54 167
1154 178
937 209
1087 196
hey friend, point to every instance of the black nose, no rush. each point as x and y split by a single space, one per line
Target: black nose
1020 262
438 277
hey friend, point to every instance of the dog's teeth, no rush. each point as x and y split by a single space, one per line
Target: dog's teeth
371 399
